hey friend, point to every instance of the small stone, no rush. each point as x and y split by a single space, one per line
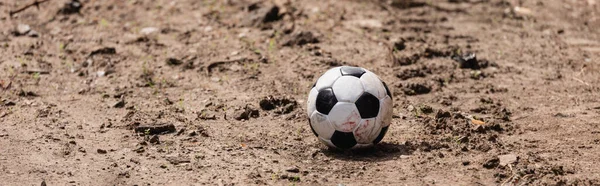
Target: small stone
507 159
492 163
33 33
410 108
71 7
173 61
154 140
404 156
119 104
367 23
465 163
156 128
148 30
176 160
135 160
246 113
293 169
101 151
23 29
101 73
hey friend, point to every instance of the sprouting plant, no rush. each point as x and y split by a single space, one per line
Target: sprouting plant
272 44
104 23
147 132
36 76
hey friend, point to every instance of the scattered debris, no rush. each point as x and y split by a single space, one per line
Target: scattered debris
156 129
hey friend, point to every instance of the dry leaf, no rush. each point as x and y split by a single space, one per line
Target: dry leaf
477 122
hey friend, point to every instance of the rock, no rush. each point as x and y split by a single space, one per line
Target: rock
426 109
293 169
281 105
22 29
246 113
366 23
173 61
119 104
522 11
469 60
33 33
442 114
176 160
153 129
507 159
104 50
154 140
101 151
410 108
148 30
492 163
260 14
71 7
399 45
300 38
412 89
43 183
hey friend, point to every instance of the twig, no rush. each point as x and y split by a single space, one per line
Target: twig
36 3
217 63
581 81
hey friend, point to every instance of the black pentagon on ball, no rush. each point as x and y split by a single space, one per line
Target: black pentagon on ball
325 100
367 105
352 71
381 134
343 140
311 128
387 90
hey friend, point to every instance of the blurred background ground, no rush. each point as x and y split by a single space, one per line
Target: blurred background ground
185 92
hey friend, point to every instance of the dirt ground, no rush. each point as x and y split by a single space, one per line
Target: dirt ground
186 92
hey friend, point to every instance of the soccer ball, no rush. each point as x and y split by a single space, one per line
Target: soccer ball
349 107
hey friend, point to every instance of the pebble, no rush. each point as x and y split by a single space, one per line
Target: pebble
507 159
23 29
148 30
293 169
101 151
